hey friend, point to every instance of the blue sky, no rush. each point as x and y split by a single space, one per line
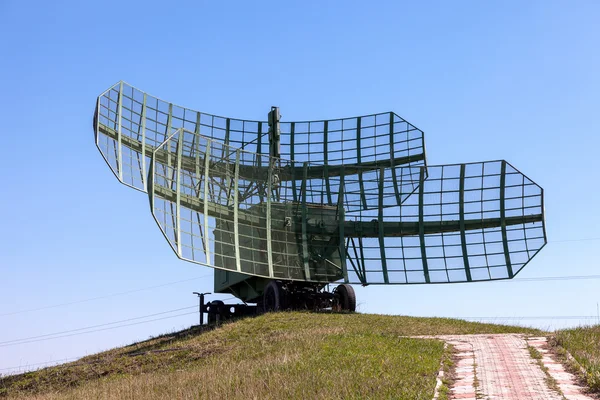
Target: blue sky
514 80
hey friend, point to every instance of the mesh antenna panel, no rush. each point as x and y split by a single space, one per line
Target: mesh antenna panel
349 200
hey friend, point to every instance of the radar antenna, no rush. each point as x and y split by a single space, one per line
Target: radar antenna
281 210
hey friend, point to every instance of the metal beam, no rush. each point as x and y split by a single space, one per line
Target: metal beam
206 200
422 224
503 219
236 178
358 161
461 207
168 133
120 133
326 174
292 161
384 270
178 192
392 164
304 227
403 229
143 124
341 220
268 218
260 172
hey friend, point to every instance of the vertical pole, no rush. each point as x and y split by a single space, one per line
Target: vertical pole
293 161
268 219
259 143
120 133
358 161
304 227
274 155
144 183
196 145
503 219
168 133
422 225
380 228
326 160
274 133
206 189
236 233
178 191
392 164
201 309
461 208
259 157
150 181
226 154
342 220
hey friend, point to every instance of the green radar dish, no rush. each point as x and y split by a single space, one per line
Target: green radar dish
309 203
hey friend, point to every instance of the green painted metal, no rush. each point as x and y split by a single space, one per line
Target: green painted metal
236 231
361 258
152 188
341 221
355 266
196 146
390 213
177 172
143 127
326 175
359 161
168 132
206 198
304 188
227 130
260 156
422 225
352 228
120 133
293 171
392 156
503 219
289 173
543 222
249 133
384 269
461 207
269 225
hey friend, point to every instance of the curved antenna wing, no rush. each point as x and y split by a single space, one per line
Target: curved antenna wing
467 222
299 221
130 124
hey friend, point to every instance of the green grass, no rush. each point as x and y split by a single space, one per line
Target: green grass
584 345
284 355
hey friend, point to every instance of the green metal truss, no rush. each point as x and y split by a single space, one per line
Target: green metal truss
348 199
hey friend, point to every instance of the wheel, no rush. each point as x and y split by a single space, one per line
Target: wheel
274 298
215 308
346 297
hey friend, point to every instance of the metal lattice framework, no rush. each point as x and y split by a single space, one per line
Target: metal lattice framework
129 124
348 199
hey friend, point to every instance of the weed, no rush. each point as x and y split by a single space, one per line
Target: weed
583 343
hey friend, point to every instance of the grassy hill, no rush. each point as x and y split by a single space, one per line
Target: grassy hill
274 356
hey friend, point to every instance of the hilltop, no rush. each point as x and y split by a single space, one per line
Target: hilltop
280 355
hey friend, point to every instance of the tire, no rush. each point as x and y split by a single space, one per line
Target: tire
274 298
347 297
216 307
